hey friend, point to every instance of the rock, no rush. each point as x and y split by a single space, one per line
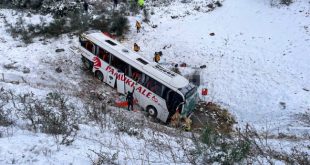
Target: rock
218 4
2 16
59 50
26 70
212 34
14 82
154 26
283 105
202 66
10 66
58 70
211 6
174 16
183 65
197 8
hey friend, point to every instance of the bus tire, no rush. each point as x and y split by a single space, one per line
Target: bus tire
99 75
87 64
151 111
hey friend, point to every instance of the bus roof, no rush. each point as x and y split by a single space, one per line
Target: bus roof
136 60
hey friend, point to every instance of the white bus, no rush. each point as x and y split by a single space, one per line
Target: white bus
159 91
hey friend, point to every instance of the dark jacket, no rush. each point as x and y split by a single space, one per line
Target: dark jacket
129 97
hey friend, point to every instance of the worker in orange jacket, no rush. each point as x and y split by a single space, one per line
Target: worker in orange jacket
138 26
157 57
136 47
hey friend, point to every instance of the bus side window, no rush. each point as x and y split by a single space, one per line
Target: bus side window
136 75
119 64
106 57
103 55
157 88
154 86
100 53
90 47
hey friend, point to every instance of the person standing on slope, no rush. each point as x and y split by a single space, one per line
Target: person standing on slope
138 26
129 99
157 56
136 47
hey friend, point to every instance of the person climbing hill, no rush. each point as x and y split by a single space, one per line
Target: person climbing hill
138 26
157 56
136 47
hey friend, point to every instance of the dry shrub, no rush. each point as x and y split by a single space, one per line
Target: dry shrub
53 115
104 158
216 117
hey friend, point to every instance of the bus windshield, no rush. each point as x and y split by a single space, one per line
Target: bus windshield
188 90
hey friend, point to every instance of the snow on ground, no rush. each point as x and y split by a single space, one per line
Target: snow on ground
257 61
257 67
32 68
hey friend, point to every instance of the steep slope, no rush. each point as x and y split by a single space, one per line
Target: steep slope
257 61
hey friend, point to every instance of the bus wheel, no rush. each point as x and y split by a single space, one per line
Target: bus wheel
152 111
99 75
87 63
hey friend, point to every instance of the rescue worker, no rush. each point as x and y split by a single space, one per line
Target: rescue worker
136 47
129 99
176 69
156 57
85 5
138 26
141 3
175 119
188 124
115 2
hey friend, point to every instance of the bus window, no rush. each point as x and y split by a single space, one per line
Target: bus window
103 55
90 47
119 64
137 75
154 86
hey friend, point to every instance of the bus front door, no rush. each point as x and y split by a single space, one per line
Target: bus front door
111 79
121 84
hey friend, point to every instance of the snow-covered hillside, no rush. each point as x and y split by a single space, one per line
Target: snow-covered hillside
258 61
258 67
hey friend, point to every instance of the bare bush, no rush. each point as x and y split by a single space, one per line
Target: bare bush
134 7
19 29
120 24
4 118
280 2
104 158
52 115
95 108
100 23
133 127
304 117
286 2
146 16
